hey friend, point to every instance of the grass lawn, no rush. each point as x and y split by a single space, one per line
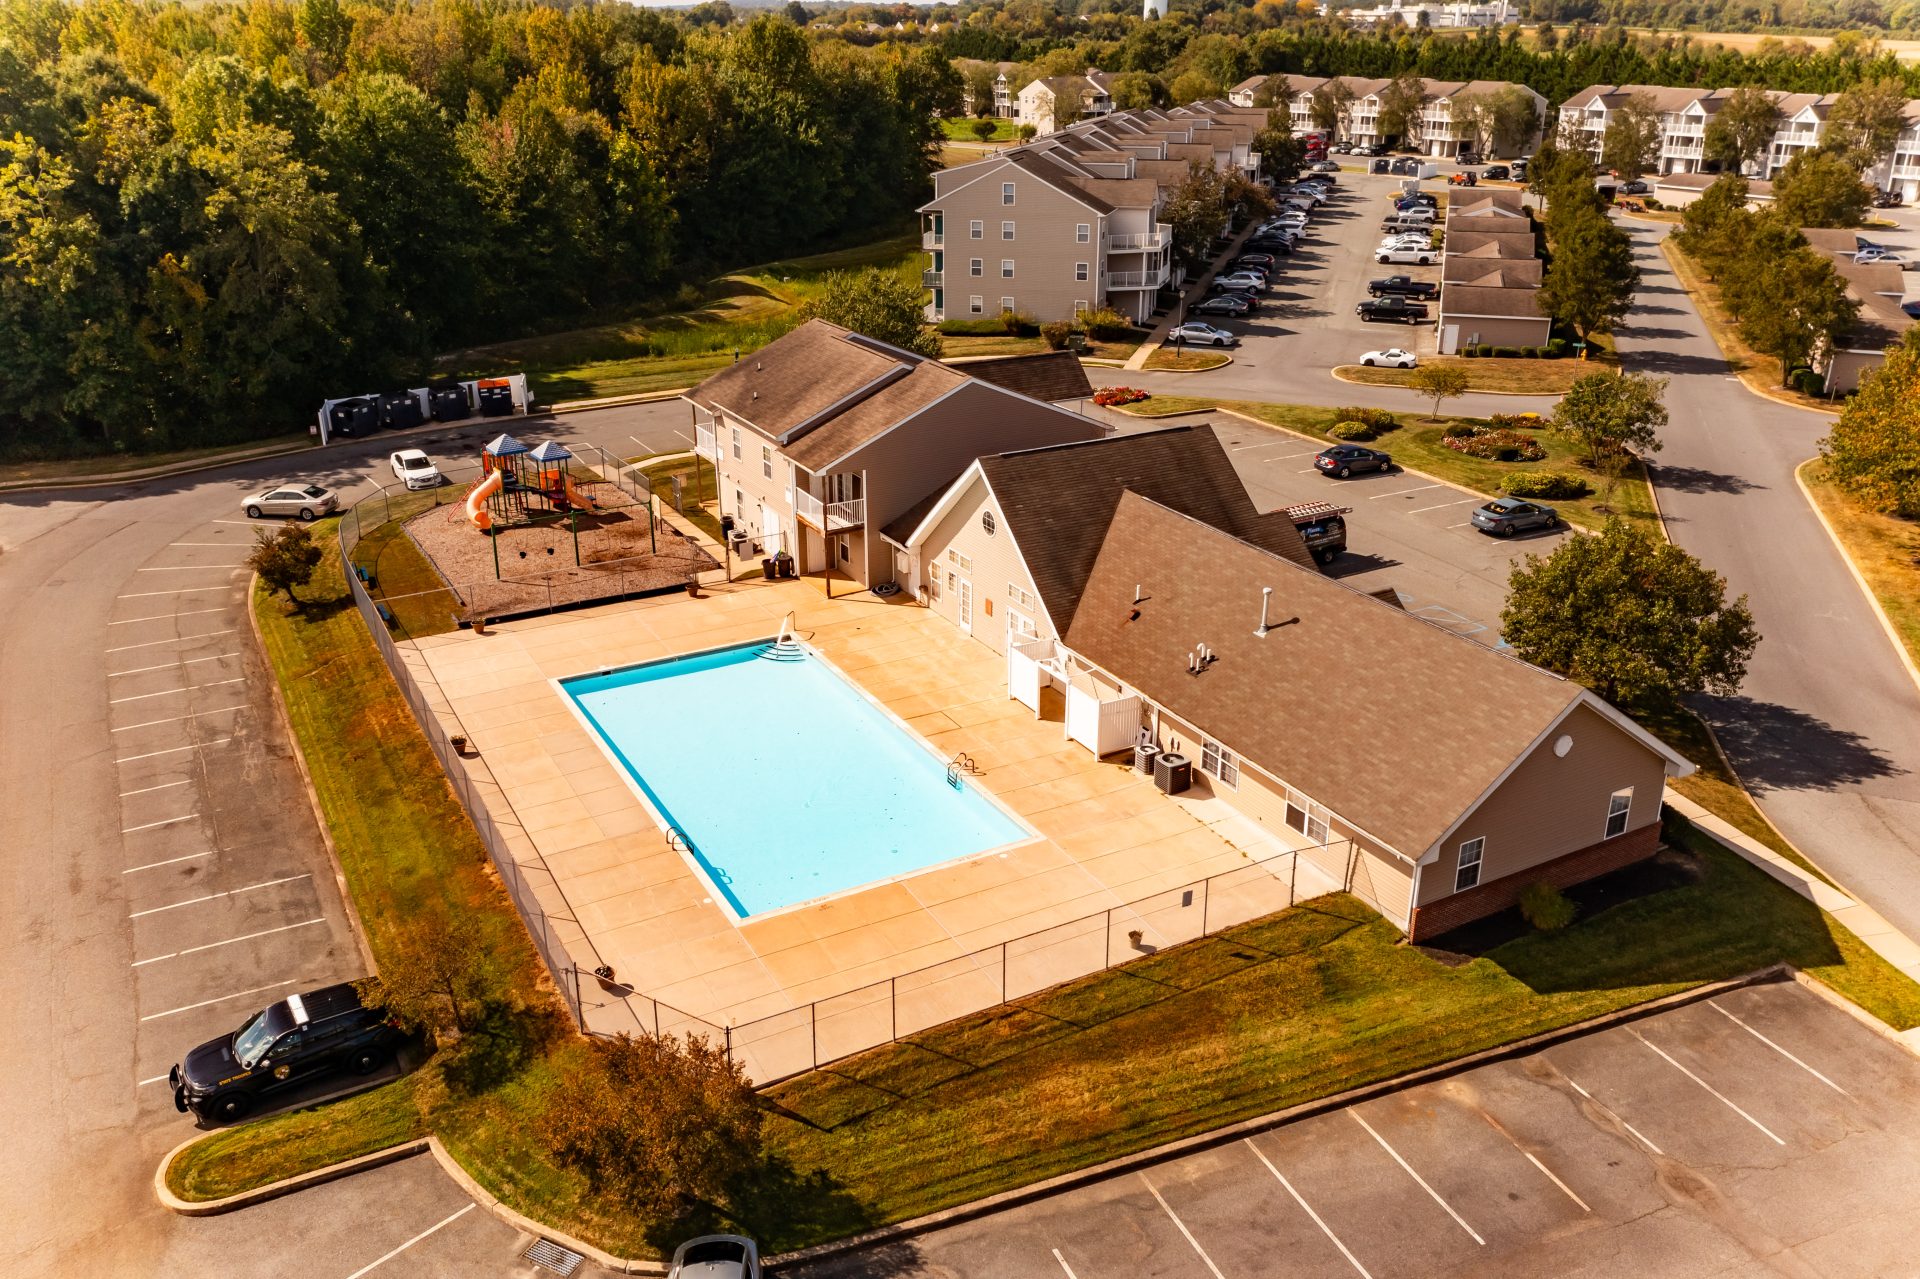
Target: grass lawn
1761 373
960 129
405 579
1188 361
697 479
1416 444
1525 377
964 345
1885 548
673 348
108 463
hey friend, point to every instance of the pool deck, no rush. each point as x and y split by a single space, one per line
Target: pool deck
629 900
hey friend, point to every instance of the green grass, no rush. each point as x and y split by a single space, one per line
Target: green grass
110 463
1416 445
405 579
960 129
697 478
1169 360
1511 376
1885 548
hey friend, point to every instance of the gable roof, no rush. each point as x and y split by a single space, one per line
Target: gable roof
1490 244
1429 720
1050 376
1462 300
1495 273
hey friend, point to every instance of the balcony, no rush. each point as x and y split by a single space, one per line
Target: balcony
1131 281
704 445
932 239
1150 242
829 517
932 278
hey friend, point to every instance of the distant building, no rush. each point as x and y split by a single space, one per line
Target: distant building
1152 9
1499 14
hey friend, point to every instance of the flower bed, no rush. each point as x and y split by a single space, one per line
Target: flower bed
1496 444
1114 396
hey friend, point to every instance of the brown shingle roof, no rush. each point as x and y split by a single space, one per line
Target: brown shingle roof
1499 273
1481 244
1463 300
1049 376
1426 720
1058 501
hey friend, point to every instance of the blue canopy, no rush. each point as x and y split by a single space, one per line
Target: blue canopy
550 452
504 446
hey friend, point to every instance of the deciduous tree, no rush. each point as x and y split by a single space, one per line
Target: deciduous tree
1331 102
1705 223
1134 91
1590 281
880 304
1400 106
1821 188
284 560
1611 415
1789 302
1196 212
1281 154
1742 129
1631 144
1873 451
1438 383
436 983
1865 123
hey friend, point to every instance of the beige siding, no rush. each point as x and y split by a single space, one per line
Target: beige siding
1550 806
1045 250
989 562
1500 332
743 478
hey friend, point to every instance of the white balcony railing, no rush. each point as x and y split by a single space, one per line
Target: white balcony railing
932 278
1150 242
704 445
932 239
1128 281
829 517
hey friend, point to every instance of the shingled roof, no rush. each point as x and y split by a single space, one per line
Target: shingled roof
1050 376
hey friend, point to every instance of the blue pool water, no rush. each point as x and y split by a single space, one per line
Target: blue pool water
788 783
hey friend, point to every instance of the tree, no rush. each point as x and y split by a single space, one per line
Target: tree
1590 279
1273 92
1190 87
1331 102
1742 129
1821 188
1631 144
1873 451
1134 91
1281 154
1790 304
984 129
1632 617
1866 121
1438 382
284 560
880 304
1401 102
979 81
664 1125
1196 212
1515 119
437 982
1563 179
1706 222
1610 415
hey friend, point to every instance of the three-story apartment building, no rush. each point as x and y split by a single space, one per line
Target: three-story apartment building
1439 133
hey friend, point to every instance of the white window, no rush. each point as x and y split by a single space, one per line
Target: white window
976 229
1218 761
1006 230
976 304
1080 306
1020 599
1006 304
1619 807
1082 233
1468 873
986 523
975 266
1079 270
1006 268
1020 624
1006 193
739 506
736 441
1305 818
962 562
766 462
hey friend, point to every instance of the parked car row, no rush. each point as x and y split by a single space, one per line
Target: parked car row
1236 291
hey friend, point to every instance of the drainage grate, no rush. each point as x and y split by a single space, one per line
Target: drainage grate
548 1255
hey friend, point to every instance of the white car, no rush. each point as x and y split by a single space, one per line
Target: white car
716 1257
1200 334
1391 358
1417 257
1292 217
306 502
1241 282
1867 257
414 469
1409 241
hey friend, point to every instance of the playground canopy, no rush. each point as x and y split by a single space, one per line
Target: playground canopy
547 452
507 446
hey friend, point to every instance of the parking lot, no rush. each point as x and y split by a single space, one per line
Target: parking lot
1762 1130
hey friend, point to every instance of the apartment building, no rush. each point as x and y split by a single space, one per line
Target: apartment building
1088 97
1437 16
1685 114
1490 275
1003 105
1439 134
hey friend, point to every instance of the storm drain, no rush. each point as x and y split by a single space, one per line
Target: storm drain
549 1255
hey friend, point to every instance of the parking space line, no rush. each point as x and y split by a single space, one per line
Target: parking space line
1461 1221
1063 1264
1443 506
149 723
161 617
250 523
212 945
1325 1229
368 1269
177 639
167 666
157 1079
148 790
184 590
1640 1136
1418 488
226 544
1182 1225
171 692
187 568
1704 1084
173 750
171 821
218 999
171 861
231 892
1777 1048
1495 1125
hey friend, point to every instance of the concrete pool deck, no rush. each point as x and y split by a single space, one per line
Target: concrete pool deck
1108 838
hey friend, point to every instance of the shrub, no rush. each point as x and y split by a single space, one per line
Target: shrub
1551 486
1533 352
1506 352
1018 324
1458 431
1110 396
1377 419
972 328
1106 324
1467 353
1556 348
1517 421
1546 907
1350 431
1055 334
1496 444
1652 203
689 297
1807 382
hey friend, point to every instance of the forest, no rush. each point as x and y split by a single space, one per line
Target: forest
214 216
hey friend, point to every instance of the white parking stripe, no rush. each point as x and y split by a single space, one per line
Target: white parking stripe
249 523
213 945
188 568
218 999
173 750
1418 488
184 590
1183 1227
1325 1229
1777 1048
171 861
172 692
148 790
1568 1190
409 1243
1704 1084
157 1079
228 545
171 821
167 666
1462 1222
1443 506
149 723
178 639
161 617
1063 1264
231 892
1616 1118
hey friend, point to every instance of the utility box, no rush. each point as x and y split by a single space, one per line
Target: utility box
1173 773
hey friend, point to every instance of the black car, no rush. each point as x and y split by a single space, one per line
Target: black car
1635 187
1497 173
1262 260
1467 157
282 1046
1344 459
1887 200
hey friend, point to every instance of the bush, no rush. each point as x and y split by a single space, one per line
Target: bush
1546 907
1458 431
1496 444
1055 334
1018 324
1506 352
1377 419
1110 396
1556 348
689 297
1652 203
972 328
1467 353
1106 324
1350 431
1807 382
1551 486
1517 421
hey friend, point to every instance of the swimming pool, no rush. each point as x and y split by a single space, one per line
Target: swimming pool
786 783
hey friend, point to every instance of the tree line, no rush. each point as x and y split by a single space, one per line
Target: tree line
213 216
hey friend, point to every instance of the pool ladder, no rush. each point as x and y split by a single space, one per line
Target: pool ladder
785 648
960 763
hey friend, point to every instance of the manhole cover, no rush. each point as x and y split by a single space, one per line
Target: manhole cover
549 1255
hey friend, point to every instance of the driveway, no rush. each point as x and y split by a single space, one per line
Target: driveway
1760 1131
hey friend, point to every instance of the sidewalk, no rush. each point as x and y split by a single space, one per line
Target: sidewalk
1196 287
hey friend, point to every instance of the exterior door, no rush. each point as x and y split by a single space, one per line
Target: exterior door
963 604
770 529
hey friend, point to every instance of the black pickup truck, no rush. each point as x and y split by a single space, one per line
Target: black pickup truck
1396 310
1403 286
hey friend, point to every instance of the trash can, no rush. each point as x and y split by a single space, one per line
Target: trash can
1173 773
1143 757
770 567
1378 166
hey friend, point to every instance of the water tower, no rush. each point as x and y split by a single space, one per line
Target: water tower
1152 9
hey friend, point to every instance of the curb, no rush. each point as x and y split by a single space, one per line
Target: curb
1215 369
1667 251
275 1190
1859 579
1472 390
1249 1127
611 401
106 478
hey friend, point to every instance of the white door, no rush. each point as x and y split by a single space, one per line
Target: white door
963 596
769 529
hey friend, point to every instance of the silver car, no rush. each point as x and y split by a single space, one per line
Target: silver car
716 1257
302 501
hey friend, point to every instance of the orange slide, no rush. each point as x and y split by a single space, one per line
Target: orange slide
578 497
477 501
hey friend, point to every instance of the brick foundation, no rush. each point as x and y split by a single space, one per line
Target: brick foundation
1497 895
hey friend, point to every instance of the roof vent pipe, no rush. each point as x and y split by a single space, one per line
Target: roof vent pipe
1136 592
1266 597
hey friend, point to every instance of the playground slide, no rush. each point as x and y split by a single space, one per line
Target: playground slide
477 501
578 497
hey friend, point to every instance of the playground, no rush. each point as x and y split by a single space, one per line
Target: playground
539 529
